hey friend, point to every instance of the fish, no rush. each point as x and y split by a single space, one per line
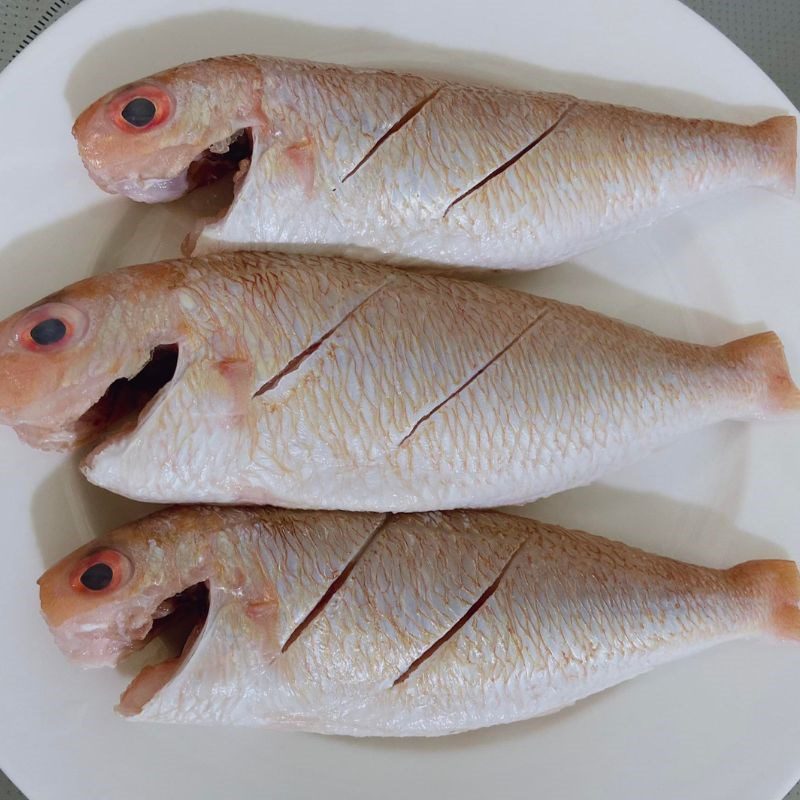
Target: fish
367 624
319 382
390 166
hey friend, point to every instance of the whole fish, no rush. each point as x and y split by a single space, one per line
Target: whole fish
370 162
315 382
384 625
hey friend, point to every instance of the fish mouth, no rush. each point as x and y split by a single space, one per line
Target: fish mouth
125 399
226 157
117 408
225 163
230 156
178 625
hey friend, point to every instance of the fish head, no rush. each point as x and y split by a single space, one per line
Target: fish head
81 359
156 139
102 601
177 575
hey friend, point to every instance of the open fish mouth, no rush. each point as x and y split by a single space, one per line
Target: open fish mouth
117 409
178 623
126 398
227 157
228 160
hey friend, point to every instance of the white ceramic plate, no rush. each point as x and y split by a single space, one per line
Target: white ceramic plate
720 725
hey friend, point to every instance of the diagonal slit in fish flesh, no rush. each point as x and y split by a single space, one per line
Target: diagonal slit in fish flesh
463 620
335 586
404 120
295 362
511 161
473 377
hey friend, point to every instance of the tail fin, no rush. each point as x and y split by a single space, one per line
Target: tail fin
779 583
780 135
764 354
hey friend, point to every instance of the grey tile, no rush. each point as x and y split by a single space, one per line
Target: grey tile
767 30
8 791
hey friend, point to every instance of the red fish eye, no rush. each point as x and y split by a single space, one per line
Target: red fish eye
140 108
51 327
102 571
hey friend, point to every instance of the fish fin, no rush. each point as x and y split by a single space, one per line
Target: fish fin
779 580
780 134
764 353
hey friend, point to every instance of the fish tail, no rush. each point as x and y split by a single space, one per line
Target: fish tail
778 582
779 135
764 354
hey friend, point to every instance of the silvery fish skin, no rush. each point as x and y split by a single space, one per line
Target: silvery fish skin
310 382
395 166
393 625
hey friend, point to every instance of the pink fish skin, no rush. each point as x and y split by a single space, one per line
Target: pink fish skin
317 382
391 625
402 167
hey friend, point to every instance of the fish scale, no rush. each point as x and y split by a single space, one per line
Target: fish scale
557 648
459 134
411 611
299 555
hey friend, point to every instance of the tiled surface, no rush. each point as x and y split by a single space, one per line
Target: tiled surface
768 30
22 20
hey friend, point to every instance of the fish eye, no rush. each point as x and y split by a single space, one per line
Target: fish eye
98 576
139 112
140 108
51 327
102 571
48 331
